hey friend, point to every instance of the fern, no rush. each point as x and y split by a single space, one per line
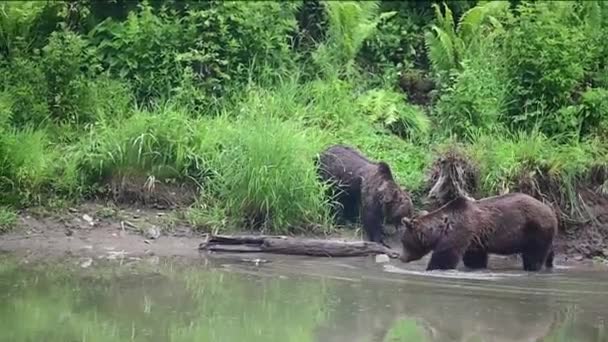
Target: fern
350 24
448 43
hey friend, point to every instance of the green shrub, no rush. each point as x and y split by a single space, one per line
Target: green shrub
390 109
142 50
266 176
25 84
67 66
398 42
158 143
506 159
350 24
478 97
25 26
8 218
28 165
219 42
594 103
449 43
546 82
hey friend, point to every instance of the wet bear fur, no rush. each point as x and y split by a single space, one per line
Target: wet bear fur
364 189
466 229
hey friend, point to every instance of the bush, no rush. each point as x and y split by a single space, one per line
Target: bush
478 97
158 143
546 82
67 66
219 42
390 109
142 50
8 218
266 175
28 165
25 85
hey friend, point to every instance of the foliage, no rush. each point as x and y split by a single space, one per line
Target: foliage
65 63
266 175
151 48
350 24
478 97
449 44
236 98
25 26
158 144
8 218
389 109
548 81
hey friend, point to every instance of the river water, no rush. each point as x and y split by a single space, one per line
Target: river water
284 298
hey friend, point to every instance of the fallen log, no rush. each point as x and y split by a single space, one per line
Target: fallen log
279 244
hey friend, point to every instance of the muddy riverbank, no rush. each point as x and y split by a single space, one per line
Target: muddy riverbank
95 230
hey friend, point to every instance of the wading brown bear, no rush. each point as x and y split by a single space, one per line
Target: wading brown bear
364 188
470 230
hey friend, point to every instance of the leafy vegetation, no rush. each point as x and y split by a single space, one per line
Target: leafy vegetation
234 99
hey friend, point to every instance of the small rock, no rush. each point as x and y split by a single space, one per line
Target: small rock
578 258
382 258
86 263
147 241
152 233
73 210
89 219
69 232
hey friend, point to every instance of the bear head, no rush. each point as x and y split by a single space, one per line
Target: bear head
421 234
396 202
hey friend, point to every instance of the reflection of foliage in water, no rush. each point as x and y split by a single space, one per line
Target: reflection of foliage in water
54 305
176 302
405 330
251 310
569 322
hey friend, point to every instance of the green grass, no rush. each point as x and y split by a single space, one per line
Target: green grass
240 120
8 219
253 163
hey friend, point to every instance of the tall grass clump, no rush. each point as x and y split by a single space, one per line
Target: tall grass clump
29 165
537 164
266 177
155 143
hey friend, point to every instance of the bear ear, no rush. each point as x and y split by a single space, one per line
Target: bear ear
384 169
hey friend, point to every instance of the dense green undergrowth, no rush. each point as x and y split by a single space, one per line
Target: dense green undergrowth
235 99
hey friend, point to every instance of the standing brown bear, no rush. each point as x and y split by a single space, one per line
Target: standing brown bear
364 187
469 230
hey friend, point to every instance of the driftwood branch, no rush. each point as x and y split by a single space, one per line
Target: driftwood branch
295 246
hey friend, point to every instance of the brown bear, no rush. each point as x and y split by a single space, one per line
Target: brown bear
469 230
364 188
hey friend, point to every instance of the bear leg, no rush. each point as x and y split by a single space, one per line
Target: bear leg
549 260
475 259
443 260
371 218
534 256
350 208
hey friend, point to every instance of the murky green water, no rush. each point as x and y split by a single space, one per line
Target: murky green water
294 299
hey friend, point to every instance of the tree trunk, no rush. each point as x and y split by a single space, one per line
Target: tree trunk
295 246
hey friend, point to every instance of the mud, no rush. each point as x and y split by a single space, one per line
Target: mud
99 231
